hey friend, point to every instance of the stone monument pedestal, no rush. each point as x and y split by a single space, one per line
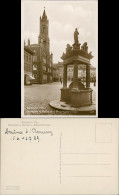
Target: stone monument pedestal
65 95
81 97
77 97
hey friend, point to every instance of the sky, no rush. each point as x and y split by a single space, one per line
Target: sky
64 17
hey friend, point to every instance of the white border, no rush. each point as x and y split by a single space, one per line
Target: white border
22 74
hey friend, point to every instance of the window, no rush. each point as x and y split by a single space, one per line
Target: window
80 71
34 67
44 68
43 29
44 60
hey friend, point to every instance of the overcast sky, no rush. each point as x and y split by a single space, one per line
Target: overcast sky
64 17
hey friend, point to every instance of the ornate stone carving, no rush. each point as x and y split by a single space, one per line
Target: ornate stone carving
69 48
90 53
84 47
63 56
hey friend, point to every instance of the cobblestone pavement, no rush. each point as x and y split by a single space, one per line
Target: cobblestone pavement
37 98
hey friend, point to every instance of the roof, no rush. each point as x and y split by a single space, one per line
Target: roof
92 67
58 64
74 52
34 45
28 50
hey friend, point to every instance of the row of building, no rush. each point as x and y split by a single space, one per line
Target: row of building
33 73
58 72
38 61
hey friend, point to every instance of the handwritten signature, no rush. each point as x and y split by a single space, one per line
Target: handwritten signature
33 131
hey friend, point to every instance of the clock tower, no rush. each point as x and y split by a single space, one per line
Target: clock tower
43 38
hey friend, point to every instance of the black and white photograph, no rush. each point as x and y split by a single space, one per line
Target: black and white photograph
59 55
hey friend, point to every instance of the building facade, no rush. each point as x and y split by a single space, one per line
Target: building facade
28 65
42 59
81 72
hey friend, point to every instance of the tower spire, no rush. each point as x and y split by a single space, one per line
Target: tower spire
44 31
44 14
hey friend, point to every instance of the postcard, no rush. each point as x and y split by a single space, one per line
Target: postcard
59 156
59 58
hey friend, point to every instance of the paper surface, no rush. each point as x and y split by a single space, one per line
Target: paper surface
59 156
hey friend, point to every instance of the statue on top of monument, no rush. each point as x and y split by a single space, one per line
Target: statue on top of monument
76 33
69 48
